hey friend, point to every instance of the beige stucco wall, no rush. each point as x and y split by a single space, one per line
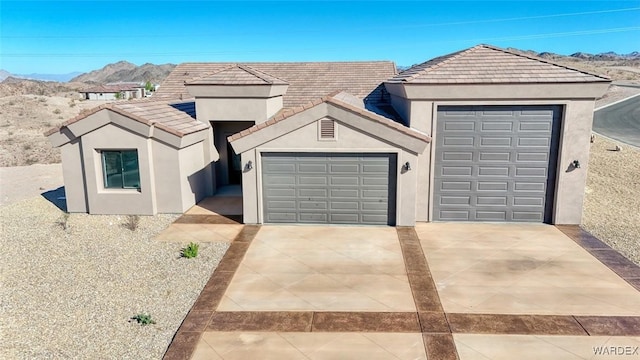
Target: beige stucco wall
174 174
195 175
237 109
576 99
72 173
111 201
349 139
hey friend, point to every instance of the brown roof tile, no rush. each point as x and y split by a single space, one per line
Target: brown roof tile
177 118
237 75
307 80
489 64
332 99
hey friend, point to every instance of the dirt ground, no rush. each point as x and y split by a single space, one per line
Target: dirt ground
24 119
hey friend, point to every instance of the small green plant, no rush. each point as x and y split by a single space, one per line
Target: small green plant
190 251
132 222
143 319
63 221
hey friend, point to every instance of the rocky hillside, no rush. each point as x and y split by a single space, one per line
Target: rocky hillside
14 86
126 71
610 64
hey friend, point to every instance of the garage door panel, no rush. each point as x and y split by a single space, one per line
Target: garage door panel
497 171
535 126
492 185
330 188
455 171
460 126
313 192
529 186
457 155
344 168
491 200
531 172
313 217
488 156
503 141
496 126
530 141
488 215
312 180
458 141
502 174
525 216
312 168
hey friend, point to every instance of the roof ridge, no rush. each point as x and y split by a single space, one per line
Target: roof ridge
260 74
449 57
531 57
329 98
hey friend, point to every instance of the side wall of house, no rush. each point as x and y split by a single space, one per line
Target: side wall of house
110 201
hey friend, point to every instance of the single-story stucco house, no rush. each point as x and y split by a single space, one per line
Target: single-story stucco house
115 91
483 134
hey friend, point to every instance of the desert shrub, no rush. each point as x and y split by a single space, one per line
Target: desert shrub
132 222
190 251
63 221
143 319
57 111
26 146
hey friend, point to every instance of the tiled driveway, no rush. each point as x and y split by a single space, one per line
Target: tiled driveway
439 291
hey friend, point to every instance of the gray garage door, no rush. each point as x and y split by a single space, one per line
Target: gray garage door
495 163
328 188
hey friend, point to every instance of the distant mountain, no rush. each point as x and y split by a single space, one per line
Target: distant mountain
40 77
4 74
50 77
126 71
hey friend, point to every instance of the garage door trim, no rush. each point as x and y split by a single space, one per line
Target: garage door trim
391 175
436 153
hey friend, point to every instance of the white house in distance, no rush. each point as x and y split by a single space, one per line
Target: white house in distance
483 134
127 90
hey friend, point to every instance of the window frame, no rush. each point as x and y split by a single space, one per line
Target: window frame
105 182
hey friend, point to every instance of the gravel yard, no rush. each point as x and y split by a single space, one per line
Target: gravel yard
612 204
70 294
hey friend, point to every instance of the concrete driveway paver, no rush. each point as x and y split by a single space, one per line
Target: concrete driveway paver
520 269
438 291
295 345
297 268
507 347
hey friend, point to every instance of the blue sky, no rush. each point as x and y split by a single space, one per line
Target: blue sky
61 37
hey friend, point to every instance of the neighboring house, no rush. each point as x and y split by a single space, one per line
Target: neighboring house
115 91
483 134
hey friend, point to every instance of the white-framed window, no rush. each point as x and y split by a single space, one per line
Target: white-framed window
327 130
120 169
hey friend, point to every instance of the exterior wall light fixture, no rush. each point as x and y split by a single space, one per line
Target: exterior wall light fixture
406 166
249 165
576 164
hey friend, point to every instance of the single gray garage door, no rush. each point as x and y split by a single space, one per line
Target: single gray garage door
329 188
495 163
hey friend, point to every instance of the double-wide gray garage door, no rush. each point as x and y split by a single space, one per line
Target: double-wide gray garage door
495 163
339 188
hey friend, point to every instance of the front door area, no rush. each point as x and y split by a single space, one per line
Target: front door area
228 169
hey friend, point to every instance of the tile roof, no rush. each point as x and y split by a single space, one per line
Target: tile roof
177 118
237 75
334 99
307 80
489 64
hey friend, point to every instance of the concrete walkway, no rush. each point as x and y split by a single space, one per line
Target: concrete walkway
439 291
